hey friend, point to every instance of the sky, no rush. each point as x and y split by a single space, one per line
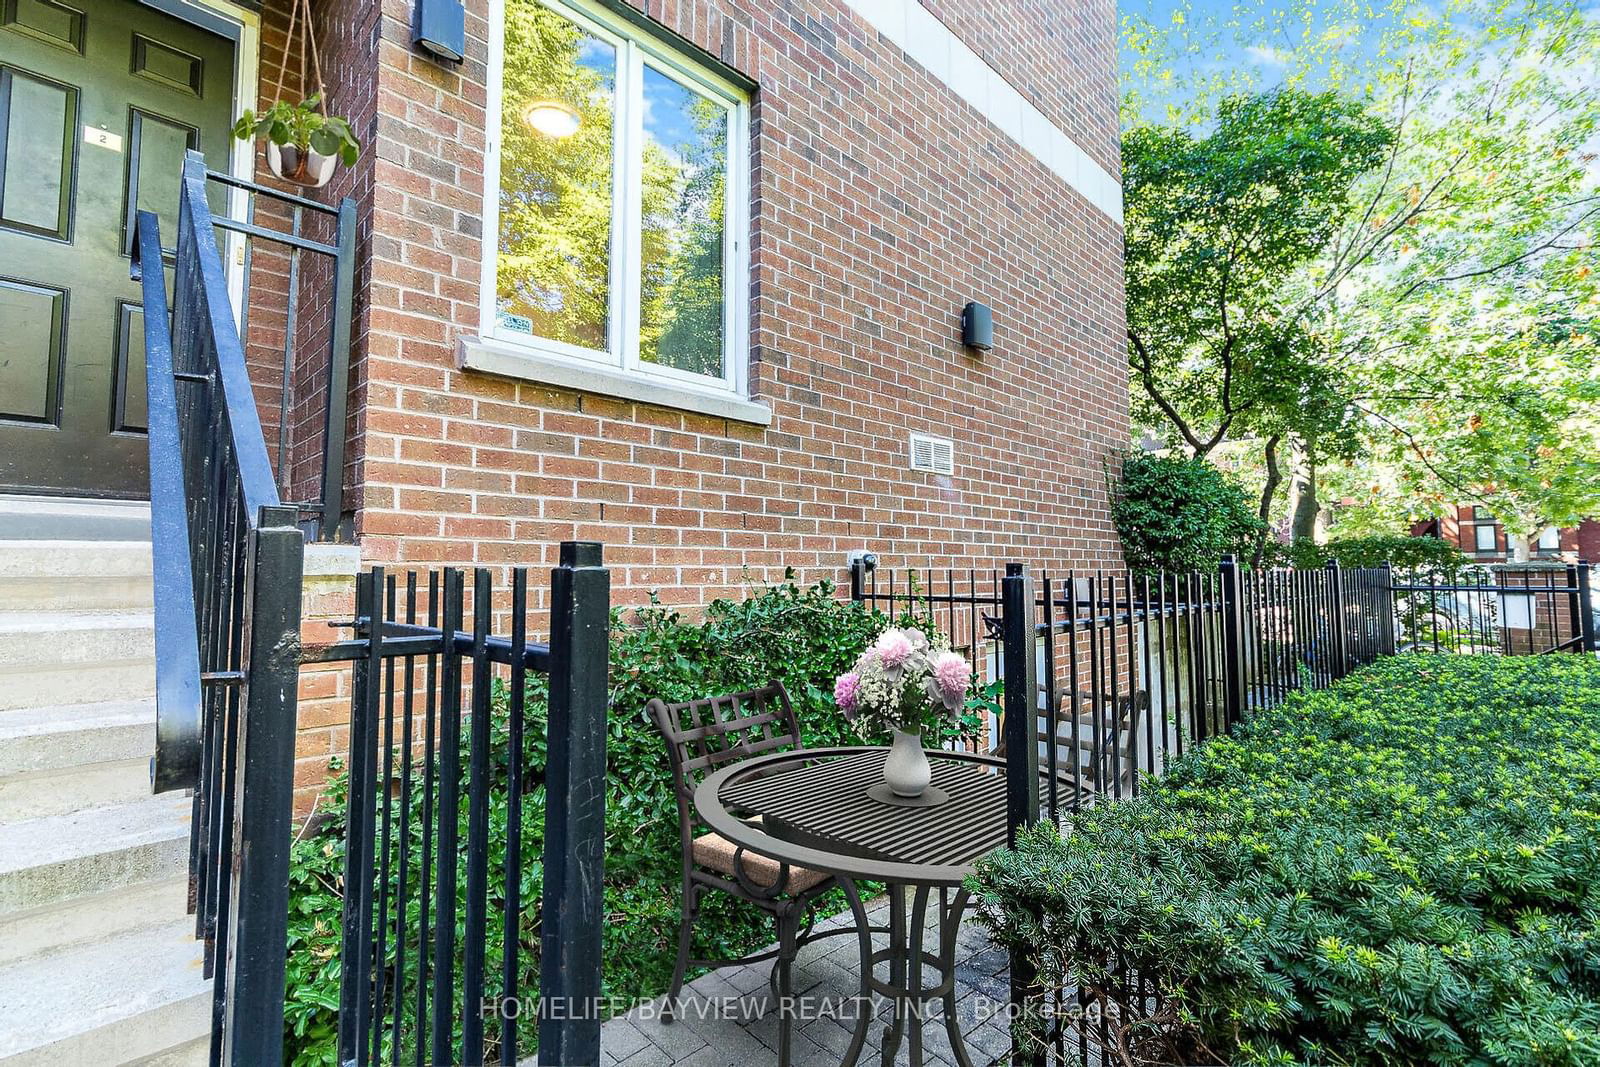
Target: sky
1254 46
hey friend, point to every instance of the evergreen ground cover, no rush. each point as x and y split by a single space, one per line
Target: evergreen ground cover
1403 868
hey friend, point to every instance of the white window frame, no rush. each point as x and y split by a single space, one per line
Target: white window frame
1478 530
622 329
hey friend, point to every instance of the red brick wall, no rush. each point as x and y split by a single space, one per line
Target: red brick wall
882 203
1061 56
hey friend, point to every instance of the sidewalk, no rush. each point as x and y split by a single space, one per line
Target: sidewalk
728 1019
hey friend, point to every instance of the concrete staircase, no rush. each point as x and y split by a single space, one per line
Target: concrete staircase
98 961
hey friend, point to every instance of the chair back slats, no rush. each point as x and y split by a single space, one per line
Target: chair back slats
703 735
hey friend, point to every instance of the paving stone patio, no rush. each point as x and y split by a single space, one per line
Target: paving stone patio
726 1021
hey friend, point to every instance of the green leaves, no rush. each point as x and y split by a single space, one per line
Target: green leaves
302 125
1398 869
1217 227
1180 514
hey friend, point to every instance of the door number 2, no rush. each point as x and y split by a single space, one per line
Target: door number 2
102 138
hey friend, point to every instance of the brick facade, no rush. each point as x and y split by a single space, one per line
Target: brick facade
881 204
1459 527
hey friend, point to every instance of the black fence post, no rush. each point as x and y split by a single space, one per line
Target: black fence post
252 1025
574 841
1020 728
858 578
333 526
1339 623
1233 680
1387 621
1020 733
1587 641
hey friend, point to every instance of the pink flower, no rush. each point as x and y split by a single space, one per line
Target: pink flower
893 648
847 693
952 674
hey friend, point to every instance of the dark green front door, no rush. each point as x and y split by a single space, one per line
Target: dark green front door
99 100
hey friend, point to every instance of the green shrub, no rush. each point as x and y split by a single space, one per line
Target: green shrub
1180 514
802 637
1404 868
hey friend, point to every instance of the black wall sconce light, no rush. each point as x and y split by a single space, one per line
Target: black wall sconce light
977 326
438 27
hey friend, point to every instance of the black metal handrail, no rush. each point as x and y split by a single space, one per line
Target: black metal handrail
228 560
176 763
324 518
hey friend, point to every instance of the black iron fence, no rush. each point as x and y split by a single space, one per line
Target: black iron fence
228 560
1104 677
440 723
1505 609
296 301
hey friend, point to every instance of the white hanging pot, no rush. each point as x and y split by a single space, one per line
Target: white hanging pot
905 768
306 167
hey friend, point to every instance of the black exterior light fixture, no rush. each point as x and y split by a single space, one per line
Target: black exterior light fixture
438 27
977 326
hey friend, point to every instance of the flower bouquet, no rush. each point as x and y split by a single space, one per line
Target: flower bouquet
905 684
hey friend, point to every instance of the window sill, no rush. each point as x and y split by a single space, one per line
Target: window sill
488 356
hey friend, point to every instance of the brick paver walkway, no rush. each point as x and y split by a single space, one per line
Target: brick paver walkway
728 1019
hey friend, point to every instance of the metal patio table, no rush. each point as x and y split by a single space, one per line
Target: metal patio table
815 813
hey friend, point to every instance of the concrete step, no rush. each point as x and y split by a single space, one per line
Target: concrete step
59 737
95 917
59 518
134 996
196 1053
59 759
58 858
94 785
49 658
75 576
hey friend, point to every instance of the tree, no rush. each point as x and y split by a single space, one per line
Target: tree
1454 308
1217 227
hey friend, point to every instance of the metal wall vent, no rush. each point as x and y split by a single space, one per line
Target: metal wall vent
936 455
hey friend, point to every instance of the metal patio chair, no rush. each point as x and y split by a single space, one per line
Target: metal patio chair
703 735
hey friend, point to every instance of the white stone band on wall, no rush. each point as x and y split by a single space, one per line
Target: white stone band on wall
948 58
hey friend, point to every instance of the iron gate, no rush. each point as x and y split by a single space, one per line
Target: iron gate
228 559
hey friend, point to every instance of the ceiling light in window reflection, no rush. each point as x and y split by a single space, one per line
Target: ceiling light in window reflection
552 118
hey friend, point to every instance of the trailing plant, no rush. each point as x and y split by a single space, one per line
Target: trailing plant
1402 868
302 125
1181 514
803 637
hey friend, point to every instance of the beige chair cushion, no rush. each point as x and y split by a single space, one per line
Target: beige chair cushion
715 853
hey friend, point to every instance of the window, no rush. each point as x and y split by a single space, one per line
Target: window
1484 531
616 200
1550 540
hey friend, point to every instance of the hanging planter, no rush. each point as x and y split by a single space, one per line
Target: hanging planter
305 144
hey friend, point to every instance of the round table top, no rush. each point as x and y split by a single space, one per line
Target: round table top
815 813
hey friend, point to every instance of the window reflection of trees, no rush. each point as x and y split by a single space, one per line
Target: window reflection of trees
555 192
682 226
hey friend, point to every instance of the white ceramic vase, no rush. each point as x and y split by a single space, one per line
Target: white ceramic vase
906 769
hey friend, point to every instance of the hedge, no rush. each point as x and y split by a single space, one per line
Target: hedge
1424 555
1181 514
804 637
1404 868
